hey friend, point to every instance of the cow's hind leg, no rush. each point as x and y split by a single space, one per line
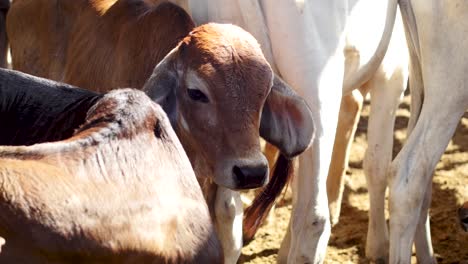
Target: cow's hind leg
411 171
350 110
386 90
229 214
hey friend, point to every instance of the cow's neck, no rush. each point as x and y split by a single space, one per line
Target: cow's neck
200 167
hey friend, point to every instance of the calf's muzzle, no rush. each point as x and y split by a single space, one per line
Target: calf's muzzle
250 176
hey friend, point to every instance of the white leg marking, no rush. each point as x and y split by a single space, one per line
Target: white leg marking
229 215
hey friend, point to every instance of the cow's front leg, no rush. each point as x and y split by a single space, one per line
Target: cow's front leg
385 97
309 227
350 111
228 218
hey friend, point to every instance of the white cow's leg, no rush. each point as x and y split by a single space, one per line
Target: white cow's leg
310 228
229 214
308 44
310 225
350 111
422 238
412 170
386 91
285 245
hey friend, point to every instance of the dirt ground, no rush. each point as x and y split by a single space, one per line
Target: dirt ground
347 242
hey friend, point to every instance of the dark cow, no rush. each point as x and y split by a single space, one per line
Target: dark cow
116 186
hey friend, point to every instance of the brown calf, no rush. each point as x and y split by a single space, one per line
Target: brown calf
120 190
213 80
213 85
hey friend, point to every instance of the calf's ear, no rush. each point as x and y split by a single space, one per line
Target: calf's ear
286 120
162 85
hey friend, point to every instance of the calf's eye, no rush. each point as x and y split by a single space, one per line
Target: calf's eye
197 95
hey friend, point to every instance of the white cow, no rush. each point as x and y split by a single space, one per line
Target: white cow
436 32
324 49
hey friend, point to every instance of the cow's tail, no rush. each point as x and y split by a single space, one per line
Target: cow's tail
4 7
417 98
256 213
367 70
415 75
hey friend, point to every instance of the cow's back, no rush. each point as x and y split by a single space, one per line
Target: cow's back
120 190
97 45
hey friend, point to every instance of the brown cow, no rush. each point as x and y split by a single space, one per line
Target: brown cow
216 86
120 190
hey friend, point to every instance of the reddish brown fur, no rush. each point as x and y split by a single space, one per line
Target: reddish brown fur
102 196
94 44
115 45
119 46
238 85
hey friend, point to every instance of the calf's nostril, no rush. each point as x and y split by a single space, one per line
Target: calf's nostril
239 175
248 177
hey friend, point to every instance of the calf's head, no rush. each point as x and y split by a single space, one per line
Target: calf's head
221 95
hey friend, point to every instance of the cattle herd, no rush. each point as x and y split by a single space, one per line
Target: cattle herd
129 127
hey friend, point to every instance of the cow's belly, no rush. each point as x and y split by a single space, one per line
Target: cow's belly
307 44
365 25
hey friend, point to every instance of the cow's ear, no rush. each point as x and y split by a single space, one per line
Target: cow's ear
286 120
161 87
